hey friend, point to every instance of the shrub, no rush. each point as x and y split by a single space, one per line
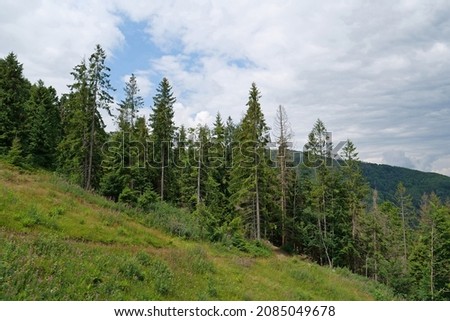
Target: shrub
128 196
146 200
257 248
175 221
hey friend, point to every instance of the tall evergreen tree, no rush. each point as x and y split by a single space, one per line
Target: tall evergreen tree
250 165
218 171
318 157
43 125
218 153
129 107
162 129
319 147
184 166
355 190
80 149
14 92
73 148
100 88
430 258
125 158
404 203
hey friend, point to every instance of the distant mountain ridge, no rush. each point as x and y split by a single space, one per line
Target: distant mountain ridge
385 179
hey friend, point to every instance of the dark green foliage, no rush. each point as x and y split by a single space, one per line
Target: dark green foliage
430 257
14 92
129 196
162 130
385 179
178 222
43 126
147 199
15 154
250 172
80 149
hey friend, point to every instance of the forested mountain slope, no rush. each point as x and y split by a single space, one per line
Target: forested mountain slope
385 179
234 184
59 242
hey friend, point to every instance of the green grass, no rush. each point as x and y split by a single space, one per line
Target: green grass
59 242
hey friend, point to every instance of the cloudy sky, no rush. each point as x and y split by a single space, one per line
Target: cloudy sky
377 72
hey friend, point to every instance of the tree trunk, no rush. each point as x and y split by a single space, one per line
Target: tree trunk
258 217
431 261
405 251
374 235
199 176
91 151
163 158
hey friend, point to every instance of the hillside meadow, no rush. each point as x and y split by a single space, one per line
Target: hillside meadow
60 242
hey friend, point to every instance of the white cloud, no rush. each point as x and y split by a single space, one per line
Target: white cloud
442 165
397 158
188 117
143 82
51 37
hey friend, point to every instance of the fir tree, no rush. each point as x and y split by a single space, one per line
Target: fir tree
99 85
80 149
355 190
404 203
43 126
318 152
15 154
130 105
14 92
250 165
162 133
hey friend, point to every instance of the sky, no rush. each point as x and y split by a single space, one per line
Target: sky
375 72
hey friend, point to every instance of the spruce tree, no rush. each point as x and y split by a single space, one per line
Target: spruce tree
84 130
129 107
125 157
250 165
100 87
43 126
430 257
218 183
15 154
185 167
355 190
404 203
73 148
14 92
162 129
318 157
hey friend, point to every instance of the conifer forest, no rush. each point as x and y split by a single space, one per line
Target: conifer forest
237 180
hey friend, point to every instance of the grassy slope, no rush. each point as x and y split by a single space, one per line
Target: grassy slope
58 242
